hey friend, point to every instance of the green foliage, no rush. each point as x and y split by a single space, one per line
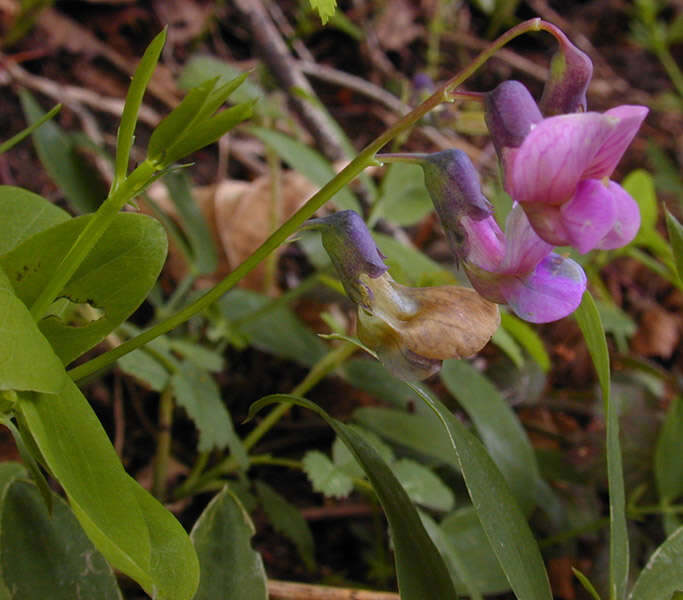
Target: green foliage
588 318
326 477
420 570
287 520
325 8
306 161
668 461
48 555
59 154
127 525
197 392
403 198
662 576
230 567
676 238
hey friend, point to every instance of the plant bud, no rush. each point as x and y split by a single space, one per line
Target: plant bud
570 73
510 112
453 184
352 250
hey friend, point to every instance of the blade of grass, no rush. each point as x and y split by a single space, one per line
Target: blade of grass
588 318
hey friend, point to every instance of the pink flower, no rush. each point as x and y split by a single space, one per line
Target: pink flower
516 267
560 171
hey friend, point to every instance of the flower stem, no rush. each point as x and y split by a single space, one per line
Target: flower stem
163 452
278 237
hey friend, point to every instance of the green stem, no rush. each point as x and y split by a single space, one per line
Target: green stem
344 177
163 452
93 231
670 66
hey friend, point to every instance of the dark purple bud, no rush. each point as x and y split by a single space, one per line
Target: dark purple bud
423 83
453 184
570 73
510 113
352 250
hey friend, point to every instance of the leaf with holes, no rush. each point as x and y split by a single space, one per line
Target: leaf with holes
113 280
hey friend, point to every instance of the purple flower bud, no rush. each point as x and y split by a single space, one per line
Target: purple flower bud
352 250
510 112
570 73
453 184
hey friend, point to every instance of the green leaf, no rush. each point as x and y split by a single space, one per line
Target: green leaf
499 514
662 575
306 161
145 368
78 453
25 214
498 427
277 331
287 520
180 120
58 152
409 266
467 544
588 318
129 527
129 117
27 361
462 578
616 322
325 8
586 584
231 568
420 569
507 344
49 556
641 186
15 139
527 338
325 476
193 223
371 376
170 548
422 433
676 240
668 457
209 131
115 277
200 68
202 357
197 392
404 199
423 486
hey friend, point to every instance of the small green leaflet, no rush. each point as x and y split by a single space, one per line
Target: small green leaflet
325 8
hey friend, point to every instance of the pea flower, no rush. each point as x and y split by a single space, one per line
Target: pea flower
516 267
412 330
559 168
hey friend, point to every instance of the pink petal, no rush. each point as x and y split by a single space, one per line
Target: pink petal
589 215
552 291
554 156
523 248
627 222
546 221
485 243
628 120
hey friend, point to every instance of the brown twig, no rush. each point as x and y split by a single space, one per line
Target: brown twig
285 590
285 69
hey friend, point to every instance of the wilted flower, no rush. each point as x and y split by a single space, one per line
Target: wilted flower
558 168
412 330
516 267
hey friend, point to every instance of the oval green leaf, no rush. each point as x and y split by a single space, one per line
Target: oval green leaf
230 567
49 556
